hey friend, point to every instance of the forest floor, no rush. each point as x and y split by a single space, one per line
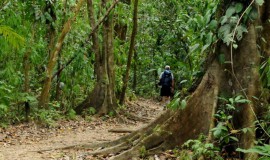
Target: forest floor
31 141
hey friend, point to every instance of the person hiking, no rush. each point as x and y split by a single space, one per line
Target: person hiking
166 81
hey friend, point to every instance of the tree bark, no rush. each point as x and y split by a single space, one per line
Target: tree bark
130 53
102 98
134 84
26 64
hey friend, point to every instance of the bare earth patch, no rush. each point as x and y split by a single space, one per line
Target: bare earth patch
30 141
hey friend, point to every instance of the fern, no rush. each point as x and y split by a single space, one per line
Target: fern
13 38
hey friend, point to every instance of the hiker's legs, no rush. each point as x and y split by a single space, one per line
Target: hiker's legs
165 93
166 99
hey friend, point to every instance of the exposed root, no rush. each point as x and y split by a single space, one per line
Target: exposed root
121 130
134 117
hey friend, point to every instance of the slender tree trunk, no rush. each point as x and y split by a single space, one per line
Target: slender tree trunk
58 89
134 85
26 63
130 53
45 93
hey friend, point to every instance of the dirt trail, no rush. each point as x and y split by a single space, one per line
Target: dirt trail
22 142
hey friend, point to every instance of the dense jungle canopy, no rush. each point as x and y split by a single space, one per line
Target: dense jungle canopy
61 59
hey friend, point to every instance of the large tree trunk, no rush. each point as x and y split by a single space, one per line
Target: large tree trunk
173 128
102 98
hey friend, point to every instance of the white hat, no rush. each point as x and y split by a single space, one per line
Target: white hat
167 67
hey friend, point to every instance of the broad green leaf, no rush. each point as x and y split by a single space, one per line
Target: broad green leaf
238 7
242 101
227 139
209 145
183 104
235 46
209 38
259 2
238 97
245 130
217 133
239 31
230 11
174 104
234 138
225 29
224 19
230 107
231 100
213 24
234 20
228 118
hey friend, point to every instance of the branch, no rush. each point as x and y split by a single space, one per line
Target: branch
64 66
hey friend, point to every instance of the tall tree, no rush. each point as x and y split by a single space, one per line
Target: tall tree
130 52
102 98
240 76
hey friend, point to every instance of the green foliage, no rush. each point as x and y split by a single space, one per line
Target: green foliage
229 25
91 111
224 131
71 114
264 151
11 36
182 154
143 152
8 96
265 73
177 103
259 2
200 148
5 94
47 117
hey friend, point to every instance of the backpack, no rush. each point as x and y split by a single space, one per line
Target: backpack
166 79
